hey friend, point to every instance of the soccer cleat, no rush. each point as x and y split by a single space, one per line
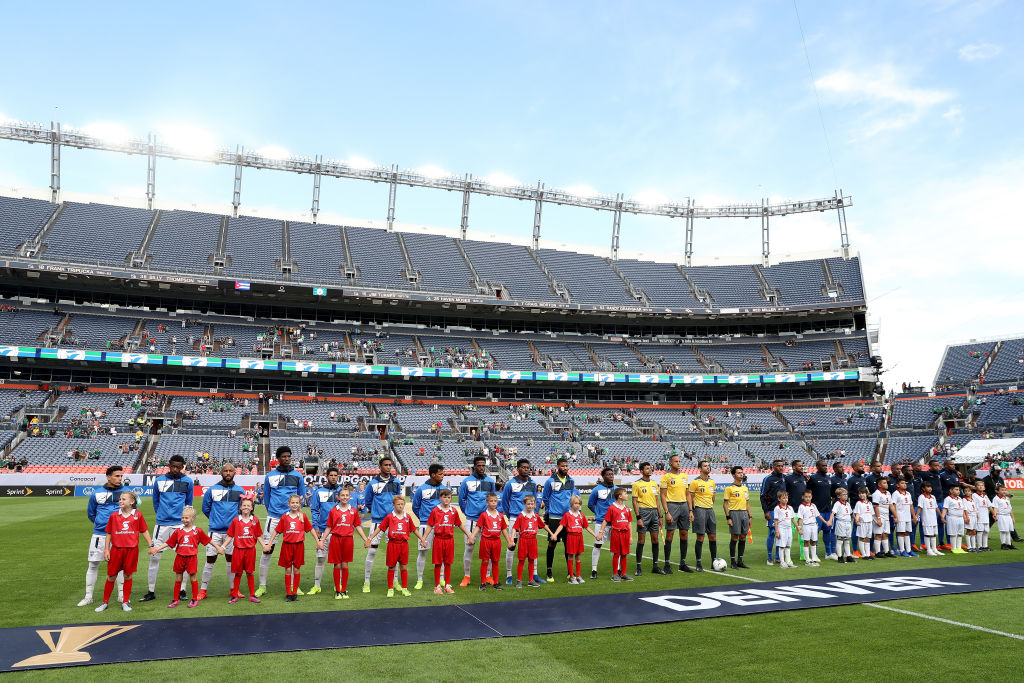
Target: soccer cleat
733 565
102 606
260 591
254 599
298 592
539 580
508 581
391 592
366 587
126 606
344 595
438 590
593 573
87 600
957 551
856 553
233 600
519 584
464 582
667 569
201 595
533 584
912 554
313 591
699 567
182 595
483 586
193 603
741 564
616 578
638 572
841 560
627 577
551 579
419 584
683 567
579 579
489 580
571 581
173 604
337 595
831 556
405 592
448 588
850 560
148 596
658 570
1010 546
769 562
498 586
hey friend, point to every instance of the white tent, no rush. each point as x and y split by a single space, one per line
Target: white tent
977 450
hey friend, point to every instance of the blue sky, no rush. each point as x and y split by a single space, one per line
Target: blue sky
920 102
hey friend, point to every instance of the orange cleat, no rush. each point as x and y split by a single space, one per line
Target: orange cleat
464 582
856 553
201 595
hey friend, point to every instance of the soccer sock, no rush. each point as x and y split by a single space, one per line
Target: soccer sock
668 551
483 571
683 542
251 580
495 568
639 553
421 563
371 553
713 547
177 591
885 544
207 575
344 579
742 547
447 575
698 550
595 557
970 542
318 571
579 566
108 588
789 558
531 568
391 578
569 564
295 582
236 584
625 564
732 549
265 567
231 576
467 560
550 557
519 569
875 546
655 551
337 579
405 578
153 571
509 561
287 584
91 575
195 588
437 575
127 590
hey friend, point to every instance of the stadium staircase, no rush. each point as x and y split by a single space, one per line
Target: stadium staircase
481 285
709 363
632 289
770 294
991 358
699 293
35 246
409 272
146 452
594 358
556 287
831 287
350 271
770 361
140 257
286 266
219 259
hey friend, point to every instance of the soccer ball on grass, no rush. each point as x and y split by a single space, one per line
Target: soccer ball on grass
718 565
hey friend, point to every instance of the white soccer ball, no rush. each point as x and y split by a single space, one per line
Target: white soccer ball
718 565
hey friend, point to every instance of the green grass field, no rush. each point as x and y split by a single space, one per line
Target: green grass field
45 579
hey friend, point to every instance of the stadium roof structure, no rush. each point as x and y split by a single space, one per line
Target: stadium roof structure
58 136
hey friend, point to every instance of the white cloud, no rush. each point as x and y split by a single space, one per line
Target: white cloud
979 52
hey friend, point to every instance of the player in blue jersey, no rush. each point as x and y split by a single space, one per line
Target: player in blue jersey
172 492
378 498
558 490
280 484
321 501
102 502
425 498
220 505
472 502
600 498
511 505
820 486
770 488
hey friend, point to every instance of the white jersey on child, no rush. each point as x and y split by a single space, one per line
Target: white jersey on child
929 509
808 514
904 503
882 499
864 511
982 504
1004 510
954 507
784 523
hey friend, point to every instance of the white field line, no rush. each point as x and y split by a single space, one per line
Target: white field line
945 621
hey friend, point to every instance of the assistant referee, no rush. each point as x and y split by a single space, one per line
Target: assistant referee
647 510
677 512
701 496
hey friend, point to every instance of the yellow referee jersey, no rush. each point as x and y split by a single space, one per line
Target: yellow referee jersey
737 497
645 493
674 486
703 491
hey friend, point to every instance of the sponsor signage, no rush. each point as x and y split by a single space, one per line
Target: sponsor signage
36 491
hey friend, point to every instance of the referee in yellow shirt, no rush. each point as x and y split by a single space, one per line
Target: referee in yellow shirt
701 496
647 510
677 512
737 511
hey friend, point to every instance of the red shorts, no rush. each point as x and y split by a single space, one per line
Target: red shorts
185 564
574 544
340 549
243 560
292 555
620 542
527 548
123 560
444 551
490 549
398 553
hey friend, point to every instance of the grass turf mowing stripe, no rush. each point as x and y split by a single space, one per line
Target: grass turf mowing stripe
945 621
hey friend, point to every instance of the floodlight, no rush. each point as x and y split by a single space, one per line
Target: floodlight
109 132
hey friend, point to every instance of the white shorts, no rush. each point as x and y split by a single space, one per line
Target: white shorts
383 537
882 528
904 527
97 545
784 539
322 554
161 532
221 538
930 529
607 536
1004 523
809 532
864 530
982 526
955 526
424 530
268 528
972 521
844 529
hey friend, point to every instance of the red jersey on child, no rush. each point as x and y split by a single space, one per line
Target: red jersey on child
124 529
294 529
491 527
574 522
619 517
397 528
444 522
343 522
245 532
186 543
527 525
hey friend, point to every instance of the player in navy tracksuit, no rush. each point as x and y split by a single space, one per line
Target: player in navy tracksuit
872 479
425 498
558 489
770 487
279 485
511 505
820 485
378 499
171 493
102 503
473 501
600 499
220 505
321 502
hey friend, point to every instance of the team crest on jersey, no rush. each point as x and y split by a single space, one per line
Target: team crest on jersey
518 486
218 495
165 485
275 479
472 486
603 495
429 493
326 495
104 497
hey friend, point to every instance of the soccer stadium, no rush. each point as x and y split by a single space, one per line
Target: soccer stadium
732 461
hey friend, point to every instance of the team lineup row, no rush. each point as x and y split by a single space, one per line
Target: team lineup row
481 513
